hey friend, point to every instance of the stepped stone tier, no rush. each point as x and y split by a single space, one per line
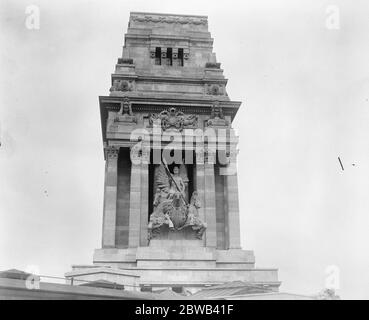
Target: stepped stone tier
171 207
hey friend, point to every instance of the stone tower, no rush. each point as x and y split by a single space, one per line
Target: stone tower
171 214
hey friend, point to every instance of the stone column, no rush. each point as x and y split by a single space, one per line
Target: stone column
110 198
233 212
144 195
200 181
233 217
135 204
205 185
210 206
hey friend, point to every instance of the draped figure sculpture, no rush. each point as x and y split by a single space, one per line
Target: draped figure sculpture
170 207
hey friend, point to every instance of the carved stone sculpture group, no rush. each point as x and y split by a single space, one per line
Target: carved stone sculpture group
171 209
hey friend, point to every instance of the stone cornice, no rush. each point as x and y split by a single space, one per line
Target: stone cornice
170 79
154 104
153 101
166 37
168 14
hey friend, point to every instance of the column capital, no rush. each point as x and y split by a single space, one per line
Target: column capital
111 152
231 168
232 156
145 156
232 153
200 155
140 154
210 156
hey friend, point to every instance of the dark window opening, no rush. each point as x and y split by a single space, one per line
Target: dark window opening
169 57
180 57
158 56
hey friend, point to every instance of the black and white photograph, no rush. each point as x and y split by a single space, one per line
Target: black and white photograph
189 151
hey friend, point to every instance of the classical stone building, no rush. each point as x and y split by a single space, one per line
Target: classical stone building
171 214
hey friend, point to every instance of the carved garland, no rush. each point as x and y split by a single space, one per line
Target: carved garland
176 20
122 85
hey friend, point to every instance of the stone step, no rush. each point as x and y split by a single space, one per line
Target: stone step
175 275
176 243
172 263
175 253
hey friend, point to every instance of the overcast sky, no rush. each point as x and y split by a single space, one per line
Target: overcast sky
305 101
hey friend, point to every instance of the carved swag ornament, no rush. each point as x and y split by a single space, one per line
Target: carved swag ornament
122 85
